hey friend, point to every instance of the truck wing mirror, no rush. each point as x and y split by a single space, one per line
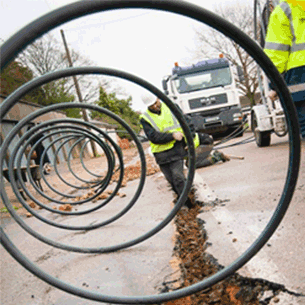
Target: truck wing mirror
164 86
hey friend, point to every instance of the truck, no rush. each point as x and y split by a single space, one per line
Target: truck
208 93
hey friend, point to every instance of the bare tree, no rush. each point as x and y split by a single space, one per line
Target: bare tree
209 43
46 55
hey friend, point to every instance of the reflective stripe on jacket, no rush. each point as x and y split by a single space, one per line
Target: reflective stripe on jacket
165 122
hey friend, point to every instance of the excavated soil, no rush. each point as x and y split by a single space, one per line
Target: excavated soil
195 264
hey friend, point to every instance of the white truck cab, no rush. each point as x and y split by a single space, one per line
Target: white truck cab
207 92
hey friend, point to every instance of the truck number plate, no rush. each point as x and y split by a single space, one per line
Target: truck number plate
216 118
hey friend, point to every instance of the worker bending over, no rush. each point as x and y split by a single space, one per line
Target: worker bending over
167 143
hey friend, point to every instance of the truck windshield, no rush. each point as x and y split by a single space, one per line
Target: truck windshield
203 80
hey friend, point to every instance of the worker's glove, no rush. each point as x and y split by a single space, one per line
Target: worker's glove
178 136
273 95
219 156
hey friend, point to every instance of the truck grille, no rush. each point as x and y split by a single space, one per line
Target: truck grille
212 100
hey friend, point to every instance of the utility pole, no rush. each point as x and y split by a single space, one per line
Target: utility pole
80 98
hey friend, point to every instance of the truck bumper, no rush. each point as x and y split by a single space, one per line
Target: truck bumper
217 122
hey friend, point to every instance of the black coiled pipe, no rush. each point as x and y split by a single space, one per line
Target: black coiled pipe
75 10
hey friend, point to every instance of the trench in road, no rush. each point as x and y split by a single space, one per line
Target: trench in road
195 264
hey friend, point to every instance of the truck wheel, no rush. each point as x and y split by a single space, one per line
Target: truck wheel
262 138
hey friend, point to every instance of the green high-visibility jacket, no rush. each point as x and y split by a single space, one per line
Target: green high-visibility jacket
165 122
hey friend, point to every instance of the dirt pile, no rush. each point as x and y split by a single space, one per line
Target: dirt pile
132 172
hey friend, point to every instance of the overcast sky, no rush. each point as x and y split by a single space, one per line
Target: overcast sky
142 42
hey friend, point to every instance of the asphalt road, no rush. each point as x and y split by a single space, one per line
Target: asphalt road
248 192
136 271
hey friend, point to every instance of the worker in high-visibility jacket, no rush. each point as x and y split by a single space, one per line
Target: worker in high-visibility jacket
285 46
166 138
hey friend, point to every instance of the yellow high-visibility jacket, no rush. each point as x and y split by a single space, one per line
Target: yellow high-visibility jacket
285 45
165 122
285 40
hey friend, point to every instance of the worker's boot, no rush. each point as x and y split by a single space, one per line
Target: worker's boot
188 203
192 198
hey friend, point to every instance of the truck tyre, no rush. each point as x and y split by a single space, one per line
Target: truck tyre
262 138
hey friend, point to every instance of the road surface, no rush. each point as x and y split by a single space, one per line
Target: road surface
248 192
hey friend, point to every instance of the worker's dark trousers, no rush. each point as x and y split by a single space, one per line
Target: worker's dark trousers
301 115
173 173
